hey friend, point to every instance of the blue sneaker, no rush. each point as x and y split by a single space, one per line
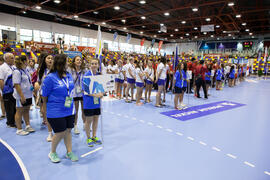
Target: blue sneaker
96 140
90 142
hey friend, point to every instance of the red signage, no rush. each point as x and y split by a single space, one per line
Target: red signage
159 46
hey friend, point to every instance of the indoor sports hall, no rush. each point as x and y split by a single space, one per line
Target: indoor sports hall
134 89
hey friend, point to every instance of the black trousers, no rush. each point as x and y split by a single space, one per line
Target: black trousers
200 82
191 83
10 106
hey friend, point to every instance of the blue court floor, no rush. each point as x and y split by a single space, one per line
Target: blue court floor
142 144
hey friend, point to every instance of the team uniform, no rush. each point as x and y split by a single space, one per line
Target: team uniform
130 79
23 78
150 72
77 78
60 108
139 81
178 82
161 67
120 76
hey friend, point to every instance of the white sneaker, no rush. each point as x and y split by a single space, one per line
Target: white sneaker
76 130
37 107
183 105
22 132
49 138
29 129
31 107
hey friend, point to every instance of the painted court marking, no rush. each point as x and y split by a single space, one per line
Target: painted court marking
190 138
17 157
95 150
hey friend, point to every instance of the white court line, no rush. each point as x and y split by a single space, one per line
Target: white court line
203 143
119 114
160 127
179 134
142 121
112 112
134 118
104 111
17 157
249 164
151 124
232 156
266 172
126 116
190 138
169 130
86 154
216 149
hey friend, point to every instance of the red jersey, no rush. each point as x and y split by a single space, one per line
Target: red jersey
194 66
200 69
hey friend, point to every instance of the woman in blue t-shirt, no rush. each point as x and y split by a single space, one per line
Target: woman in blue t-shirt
91 105
219 78
177 86
57 93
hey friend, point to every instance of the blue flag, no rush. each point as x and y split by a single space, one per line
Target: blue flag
175 63
115 36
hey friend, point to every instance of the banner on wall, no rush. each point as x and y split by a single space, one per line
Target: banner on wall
91 49
163 29
159 46
207 28
115 36
40 45
128 38
142 41
152 43
72 54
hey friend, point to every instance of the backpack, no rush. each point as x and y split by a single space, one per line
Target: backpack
8 87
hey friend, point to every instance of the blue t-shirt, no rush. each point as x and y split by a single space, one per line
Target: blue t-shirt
184 75
56 90
219 74
178 80
232 74
89 102
208 76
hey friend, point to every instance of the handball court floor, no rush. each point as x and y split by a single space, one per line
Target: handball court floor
142 144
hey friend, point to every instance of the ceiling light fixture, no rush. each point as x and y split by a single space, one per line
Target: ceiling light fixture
208 19
195 9
251 34
38 7
176 30
24 12
125 28
143 26
238 16
224 31
229 35
231 4
143 17
247 30
123 20
116 8
103 23
57 1
244 24
155 36
166 14
212 35
196 37
142 2
75 16
195 28
95 12
217 26
171 35
159 31
181 38
141 32
88 25
187 34
183 22
161 24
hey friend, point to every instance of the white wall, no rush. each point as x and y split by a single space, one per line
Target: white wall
182 47
28 23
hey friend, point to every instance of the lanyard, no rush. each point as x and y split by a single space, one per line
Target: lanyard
27 75
66 82
78 76
12 69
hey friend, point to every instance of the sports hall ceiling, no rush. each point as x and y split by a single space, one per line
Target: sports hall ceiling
144 18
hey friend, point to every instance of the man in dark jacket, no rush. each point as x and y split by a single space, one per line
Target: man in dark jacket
200 71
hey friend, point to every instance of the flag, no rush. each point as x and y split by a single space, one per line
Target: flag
153 42
175 62
265 55
115 36
33 56
99 47
128 38
159 46
142 41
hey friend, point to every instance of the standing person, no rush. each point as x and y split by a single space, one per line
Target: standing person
231 76
130 79
139 82
77 71
218 78
200 79
111 70
160 80
177 84
184 83
6 86
119 80
1 96
31 69
45 65
91 107
166 80
190 68
149 74
208 77
23 94
57 89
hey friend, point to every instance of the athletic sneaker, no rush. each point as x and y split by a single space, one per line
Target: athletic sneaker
183 105
76 130
22 132
54 157
90 142
49 138
29 129
11 126
72 156
31 107
96 140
